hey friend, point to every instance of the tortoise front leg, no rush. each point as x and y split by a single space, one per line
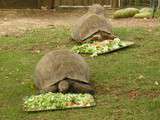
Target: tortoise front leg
79 87
53 88
107 36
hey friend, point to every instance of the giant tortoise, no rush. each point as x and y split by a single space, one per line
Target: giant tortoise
92 26
63 71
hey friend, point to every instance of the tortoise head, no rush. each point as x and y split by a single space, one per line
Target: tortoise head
63 86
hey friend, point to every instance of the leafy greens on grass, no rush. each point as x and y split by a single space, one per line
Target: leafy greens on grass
97 48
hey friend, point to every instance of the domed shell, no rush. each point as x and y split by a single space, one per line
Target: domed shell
89 24
58 65
97 9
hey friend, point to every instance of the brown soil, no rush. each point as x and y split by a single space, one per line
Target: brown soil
16 22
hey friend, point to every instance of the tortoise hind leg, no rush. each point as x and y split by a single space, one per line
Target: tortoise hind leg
80 87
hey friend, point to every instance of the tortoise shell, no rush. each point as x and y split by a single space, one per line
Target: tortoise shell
58 65
91 23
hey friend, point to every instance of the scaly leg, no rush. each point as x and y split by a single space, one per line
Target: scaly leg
80 87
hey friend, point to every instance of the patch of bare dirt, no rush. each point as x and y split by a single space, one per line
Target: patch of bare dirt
133 94
115 90
16 22
132 22
118 91
152 94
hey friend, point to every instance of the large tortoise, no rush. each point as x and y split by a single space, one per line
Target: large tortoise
63 71
92 26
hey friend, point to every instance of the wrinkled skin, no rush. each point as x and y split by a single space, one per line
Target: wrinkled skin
101 36
71 86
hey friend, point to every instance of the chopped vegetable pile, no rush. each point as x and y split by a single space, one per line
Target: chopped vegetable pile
52 101
96 48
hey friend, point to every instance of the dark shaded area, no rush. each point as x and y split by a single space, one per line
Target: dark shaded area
10 4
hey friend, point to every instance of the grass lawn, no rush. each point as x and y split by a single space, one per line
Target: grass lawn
126 81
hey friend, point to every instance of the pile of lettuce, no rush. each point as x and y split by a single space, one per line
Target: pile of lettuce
52 101
97 48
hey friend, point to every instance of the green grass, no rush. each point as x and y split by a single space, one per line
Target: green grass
157 14
124 80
